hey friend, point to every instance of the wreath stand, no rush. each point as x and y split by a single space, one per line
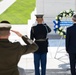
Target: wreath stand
61 54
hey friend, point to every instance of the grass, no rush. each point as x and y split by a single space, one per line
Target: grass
0 0
19 12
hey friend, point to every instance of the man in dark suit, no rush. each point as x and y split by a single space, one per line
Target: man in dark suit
39 34
71 45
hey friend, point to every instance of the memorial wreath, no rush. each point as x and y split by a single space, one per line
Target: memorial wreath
57 27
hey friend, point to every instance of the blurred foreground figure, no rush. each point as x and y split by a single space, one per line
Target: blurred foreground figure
10 53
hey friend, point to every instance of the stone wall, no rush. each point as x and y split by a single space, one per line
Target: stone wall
51 8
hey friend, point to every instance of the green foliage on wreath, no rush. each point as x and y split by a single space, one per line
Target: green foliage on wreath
59 29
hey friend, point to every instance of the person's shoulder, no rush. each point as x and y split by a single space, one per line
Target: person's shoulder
14 43
34 26
70 27
44 24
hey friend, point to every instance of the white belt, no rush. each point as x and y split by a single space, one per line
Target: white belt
41 40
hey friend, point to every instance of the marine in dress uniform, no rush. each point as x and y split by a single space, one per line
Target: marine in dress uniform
39 34
71 45
10 53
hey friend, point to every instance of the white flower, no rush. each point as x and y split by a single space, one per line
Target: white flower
58 32
67 15
60 28
60 18
56 18
70 14
56 22
64 30
63 14
56 26
61 33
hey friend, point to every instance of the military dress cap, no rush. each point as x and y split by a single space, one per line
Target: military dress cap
74 17
39 15
5 26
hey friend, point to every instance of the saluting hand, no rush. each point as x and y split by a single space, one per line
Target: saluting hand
18 33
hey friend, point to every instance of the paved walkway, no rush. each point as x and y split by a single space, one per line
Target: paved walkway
55 66
55 60
48 72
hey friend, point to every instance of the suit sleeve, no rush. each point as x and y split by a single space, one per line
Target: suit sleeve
67 40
